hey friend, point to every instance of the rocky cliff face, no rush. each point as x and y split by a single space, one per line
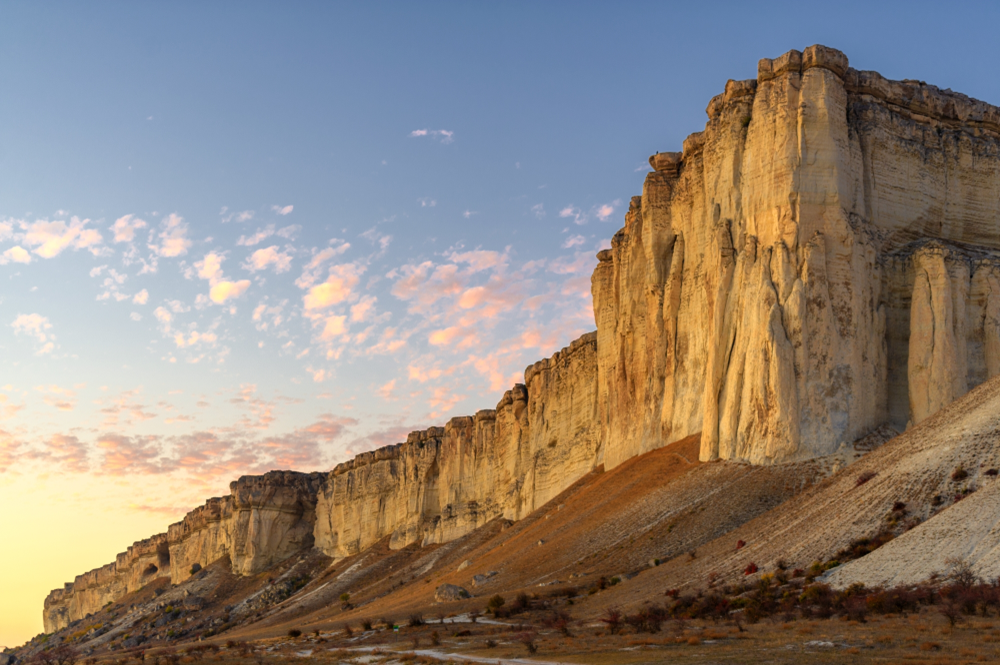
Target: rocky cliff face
141 563
446 481
264 519
819 261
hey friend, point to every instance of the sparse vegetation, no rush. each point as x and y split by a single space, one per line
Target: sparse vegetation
959 474
495 603
294 632
528 640
613 620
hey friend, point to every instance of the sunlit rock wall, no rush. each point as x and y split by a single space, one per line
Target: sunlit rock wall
773 287
139 564
446 481
822 260
265 519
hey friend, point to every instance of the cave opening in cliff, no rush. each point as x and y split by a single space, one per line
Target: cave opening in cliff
149 570
163 558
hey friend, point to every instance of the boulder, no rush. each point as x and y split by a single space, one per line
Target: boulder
450 592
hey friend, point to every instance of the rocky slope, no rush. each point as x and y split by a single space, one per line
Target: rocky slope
931 487
820 263
441 484
264 520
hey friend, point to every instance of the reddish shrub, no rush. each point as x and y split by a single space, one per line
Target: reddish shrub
613 620
750 569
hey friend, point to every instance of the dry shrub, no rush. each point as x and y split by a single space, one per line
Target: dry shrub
613 620
528 640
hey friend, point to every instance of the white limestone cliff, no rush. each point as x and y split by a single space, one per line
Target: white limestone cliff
821 261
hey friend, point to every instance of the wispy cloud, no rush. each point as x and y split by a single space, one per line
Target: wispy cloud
173 240
17 254
125 227
269 256
48 239
606 210
283 210
37 327
571 212
443 135
260 236
222 289
235 216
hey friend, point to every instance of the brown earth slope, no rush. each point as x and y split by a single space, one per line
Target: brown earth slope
614 524
935 469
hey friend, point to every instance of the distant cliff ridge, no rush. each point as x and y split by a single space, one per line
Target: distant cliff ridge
821 261
441 484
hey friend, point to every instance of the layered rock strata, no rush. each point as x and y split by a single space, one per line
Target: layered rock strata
446 481
263 520
440 484
819 261
822 261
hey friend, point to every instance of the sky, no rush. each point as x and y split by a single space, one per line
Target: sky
243 236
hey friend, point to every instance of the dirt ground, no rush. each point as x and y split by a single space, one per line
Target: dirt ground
925 637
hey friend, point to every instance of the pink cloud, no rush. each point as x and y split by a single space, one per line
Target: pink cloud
49 239
125 227
173 237
312 270
337 288
269 256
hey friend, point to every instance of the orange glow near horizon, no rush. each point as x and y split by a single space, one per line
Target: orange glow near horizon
68 524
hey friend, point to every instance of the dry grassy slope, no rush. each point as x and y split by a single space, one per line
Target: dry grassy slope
658 505
913 468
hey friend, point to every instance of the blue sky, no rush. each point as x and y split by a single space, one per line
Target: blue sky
238 236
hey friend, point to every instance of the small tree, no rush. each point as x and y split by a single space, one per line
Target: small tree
65 655
528 640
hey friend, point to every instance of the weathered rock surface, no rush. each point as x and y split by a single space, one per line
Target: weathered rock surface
819 261
446 481
449 592
264 519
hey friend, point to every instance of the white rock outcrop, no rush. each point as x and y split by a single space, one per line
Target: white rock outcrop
446 481
821 260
